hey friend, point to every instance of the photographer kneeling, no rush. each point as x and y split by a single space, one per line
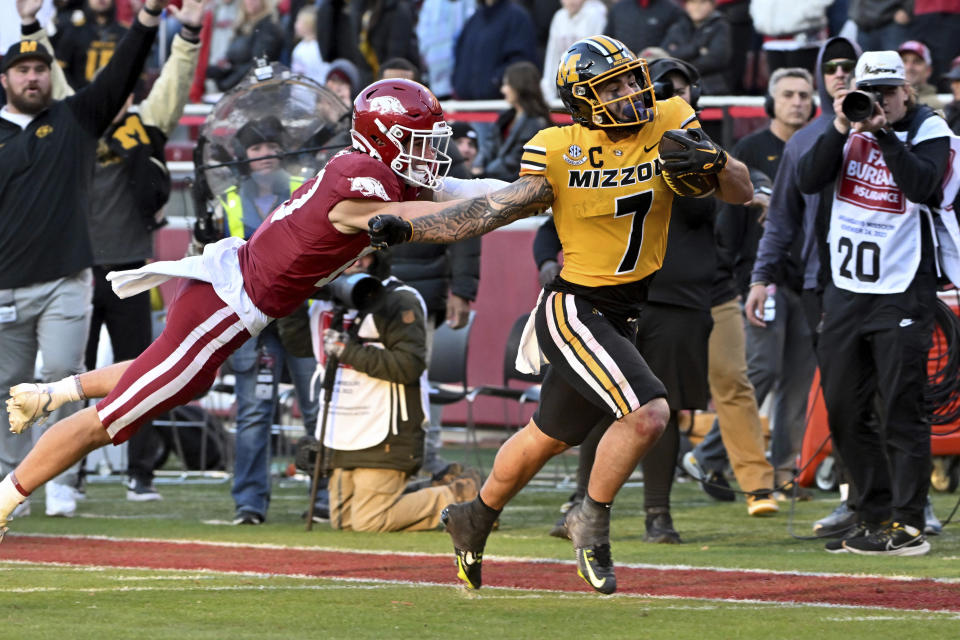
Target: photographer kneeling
884 173
375 420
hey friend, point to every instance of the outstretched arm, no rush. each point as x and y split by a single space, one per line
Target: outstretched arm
464 218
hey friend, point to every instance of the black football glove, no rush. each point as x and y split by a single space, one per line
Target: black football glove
386 231
699 154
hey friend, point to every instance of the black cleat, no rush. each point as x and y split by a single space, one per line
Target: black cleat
590 534
469 537
659 527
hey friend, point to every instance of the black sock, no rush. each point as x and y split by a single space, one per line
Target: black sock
593 505
487 514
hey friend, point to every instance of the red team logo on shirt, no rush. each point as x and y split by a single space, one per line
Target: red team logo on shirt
866 181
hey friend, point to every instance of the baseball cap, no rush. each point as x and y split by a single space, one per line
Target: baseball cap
880 68
954 73
463 130
23 50
917 47
266 129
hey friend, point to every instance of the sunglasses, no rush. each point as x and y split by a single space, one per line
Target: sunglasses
830 68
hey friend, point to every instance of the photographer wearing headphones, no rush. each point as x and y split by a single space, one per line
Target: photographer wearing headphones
880 294
779 355
374 423
258 364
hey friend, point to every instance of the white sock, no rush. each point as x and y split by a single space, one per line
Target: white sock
844 491
10 498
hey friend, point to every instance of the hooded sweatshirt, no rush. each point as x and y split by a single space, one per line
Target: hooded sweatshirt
791 211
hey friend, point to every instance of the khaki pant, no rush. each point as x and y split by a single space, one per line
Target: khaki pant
373 500
735 400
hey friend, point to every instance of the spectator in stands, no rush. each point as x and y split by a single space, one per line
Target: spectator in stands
952 110
881 24
575 19
937 23
780 358
224 16
438 26
466 140
791 31
641 23
376 414
343 79
528 113
745 45
702 37
130 186
256 34
542 12
264 186
45 254
306 58
500 33
399 68
917 64
88 42
385 30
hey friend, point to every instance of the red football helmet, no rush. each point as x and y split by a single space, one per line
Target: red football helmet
400 123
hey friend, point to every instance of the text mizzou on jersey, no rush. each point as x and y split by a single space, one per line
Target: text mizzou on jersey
611 205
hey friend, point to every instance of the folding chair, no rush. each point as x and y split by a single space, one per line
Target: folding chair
521 395
447 370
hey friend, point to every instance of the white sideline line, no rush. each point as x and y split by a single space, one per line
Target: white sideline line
489 592
490 556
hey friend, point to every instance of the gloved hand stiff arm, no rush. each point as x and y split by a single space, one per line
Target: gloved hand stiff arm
387 230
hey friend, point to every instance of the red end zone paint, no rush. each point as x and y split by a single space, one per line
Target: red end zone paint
554 576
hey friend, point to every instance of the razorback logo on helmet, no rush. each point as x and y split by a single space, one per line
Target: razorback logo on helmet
387 105
369 187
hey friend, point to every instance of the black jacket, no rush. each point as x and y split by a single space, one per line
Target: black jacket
638 27
265 40
707 47
82 49
46 169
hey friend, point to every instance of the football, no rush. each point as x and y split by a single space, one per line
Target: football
690 184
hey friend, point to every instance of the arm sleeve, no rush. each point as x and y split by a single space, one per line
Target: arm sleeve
820 165
163 106
464 259
917 171
404 336
784 220
546 244
97 104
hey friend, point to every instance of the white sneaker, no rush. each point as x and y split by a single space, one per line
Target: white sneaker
61 500
29 403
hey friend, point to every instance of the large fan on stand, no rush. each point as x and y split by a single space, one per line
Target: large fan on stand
315 125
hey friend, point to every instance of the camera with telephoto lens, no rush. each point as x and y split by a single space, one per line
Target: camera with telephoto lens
859 105
359 291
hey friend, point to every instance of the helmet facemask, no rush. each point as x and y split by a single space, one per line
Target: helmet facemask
637 107
422 159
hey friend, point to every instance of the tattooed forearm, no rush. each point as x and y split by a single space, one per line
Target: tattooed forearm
469 218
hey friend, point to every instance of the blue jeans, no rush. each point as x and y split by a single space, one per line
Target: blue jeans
251 473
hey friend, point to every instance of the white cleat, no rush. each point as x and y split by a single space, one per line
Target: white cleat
28 403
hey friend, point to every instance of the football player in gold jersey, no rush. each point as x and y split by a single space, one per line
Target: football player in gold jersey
611 205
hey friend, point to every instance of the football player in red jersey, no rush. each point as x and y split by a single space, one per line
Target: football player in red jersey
236 288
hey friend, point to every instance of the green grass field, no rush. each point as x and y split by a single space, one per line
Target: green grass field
42 601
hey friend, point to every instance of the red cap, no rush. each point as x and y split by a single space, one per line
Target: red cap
917 47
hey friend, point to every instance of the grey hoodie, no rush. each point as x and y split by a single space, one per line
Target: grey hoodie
790 210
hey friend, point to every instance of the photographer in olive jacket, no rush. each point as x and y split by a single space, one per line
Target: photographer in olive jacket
374 424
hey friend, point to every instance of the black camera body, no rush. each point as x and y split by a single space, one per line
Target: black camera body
859 105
